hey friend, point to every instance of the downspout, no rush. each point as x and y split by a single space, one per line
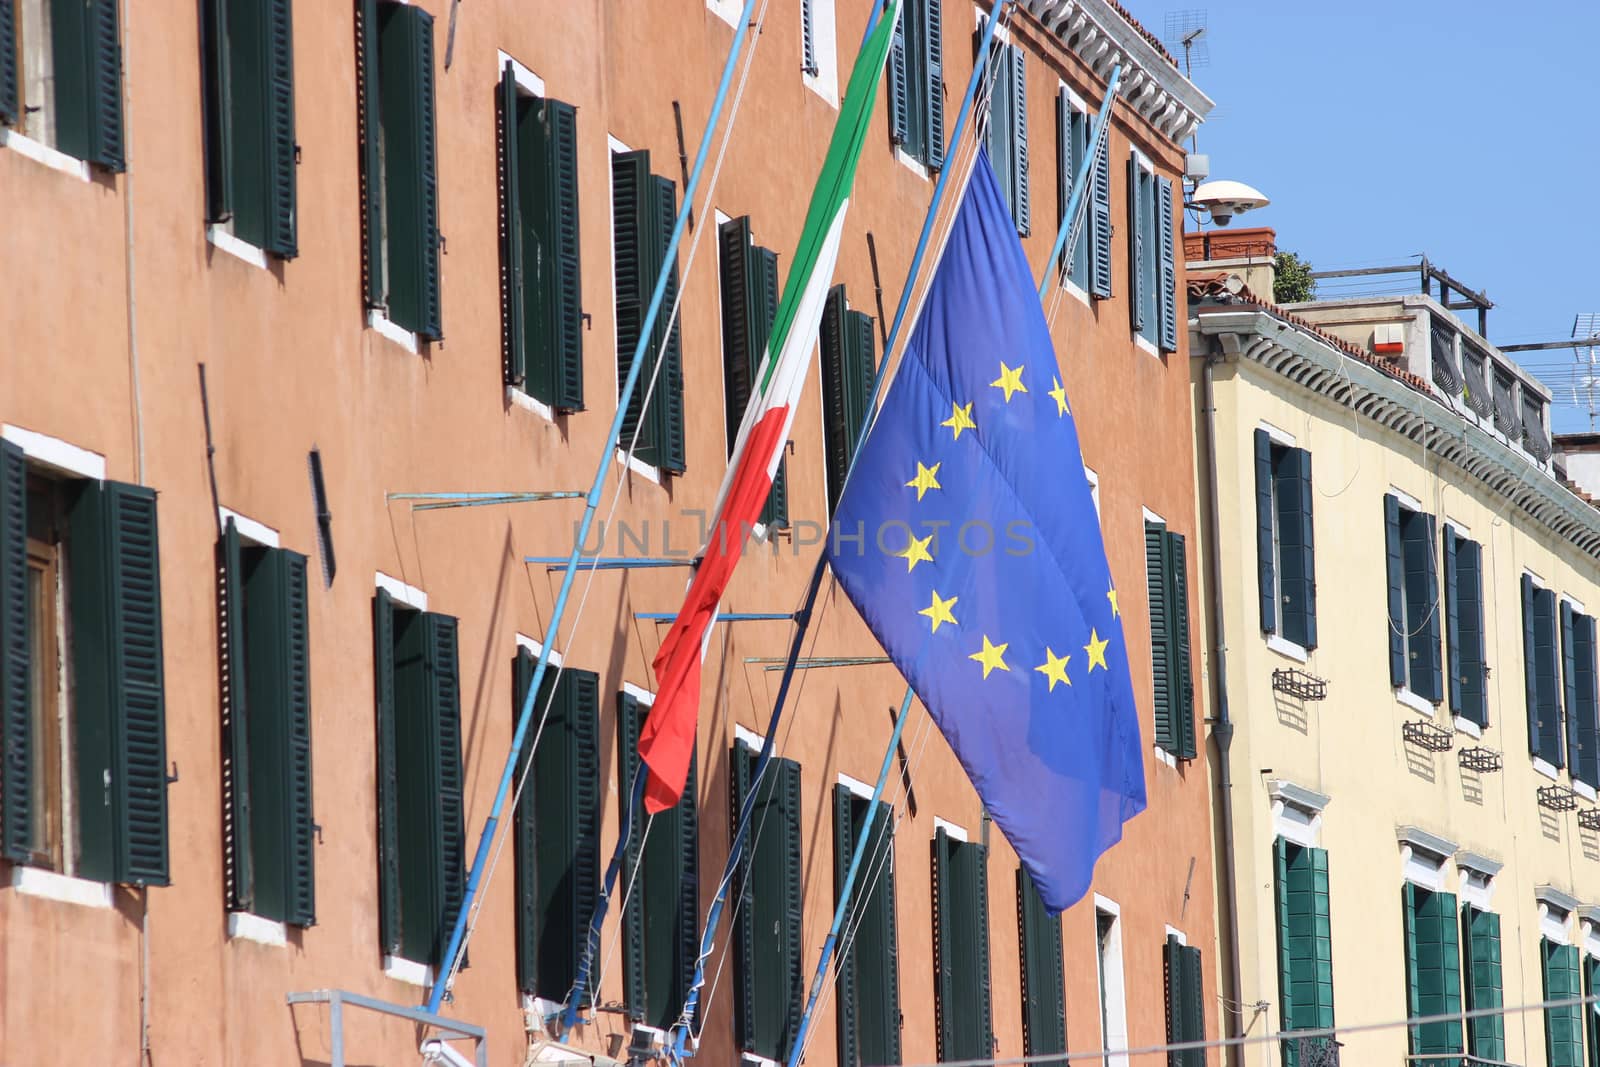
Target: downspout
1222 727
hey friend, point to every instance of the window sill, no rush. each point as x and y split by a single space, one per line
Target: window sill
1284 647
829 92
1143 343
1165 757
393 331
223 241
639 467
40 152
1407 698
408 971
1547 769
243 926
726 10
915 165
1468 727
1076 291
1584 790
517 398
36 882
750 1059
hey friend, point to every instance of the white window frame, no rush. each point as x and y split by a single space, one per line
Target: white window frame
1477 879
39 152
1404 695
407 595
1424 858
60 456
1077 104
249 530
1113 990
615 147
1296 812
1555 912
62 888
1093 478
1276 642
955 833
825 44
1144 163
726 10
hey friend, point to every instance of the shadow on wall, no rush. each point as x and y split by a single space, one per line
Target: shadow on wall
1472 787
1550 825
1420 763
1291 712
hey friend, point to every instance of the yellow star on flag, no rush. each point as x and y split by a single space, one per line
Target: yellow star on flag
1096 649
939 611
990 656
1111 595
1059 395
1054 668
960 419
927 478
916 551
1009 380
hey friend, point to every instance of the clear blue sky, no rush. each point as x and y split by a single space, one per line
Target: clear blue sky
1380 130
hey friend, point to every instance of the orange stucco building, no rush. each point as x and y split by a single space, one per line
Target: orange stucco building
117 291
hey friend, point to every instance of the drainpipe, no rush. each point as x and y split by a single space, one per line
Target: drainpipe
1222 726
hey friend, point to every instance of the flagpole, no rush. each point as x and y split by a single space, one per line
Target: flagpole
803 616
1072 221
591 505
1073 215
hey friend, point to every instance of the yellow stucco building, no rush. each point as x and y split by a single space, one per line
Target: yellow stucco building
1400 589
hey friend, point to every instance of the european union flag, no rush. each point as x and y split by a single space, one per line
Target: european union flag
980 565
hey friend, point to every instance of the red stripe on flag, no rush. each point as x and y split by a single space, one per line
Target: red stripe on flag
667 741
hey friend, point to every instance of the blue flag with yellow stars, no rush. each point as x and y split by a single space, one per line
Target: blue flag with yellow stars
969 541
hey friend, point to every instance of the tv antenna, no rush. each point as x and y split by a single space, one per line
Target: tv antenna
1185 31
1585 326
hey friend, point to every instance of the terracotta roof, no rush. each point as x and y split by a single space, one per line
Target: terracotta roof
1155 41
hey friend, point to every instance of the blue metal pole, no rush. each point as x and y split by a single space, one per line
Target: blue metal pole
872 19
843 908
803 616
611 563
1072 221
591 505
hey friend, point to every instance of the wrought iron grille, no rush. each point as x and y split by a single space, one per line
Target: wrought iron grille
1428 736
1482 760
1477 384
1506 418
1533 435
1299 684
1557 798
1443 341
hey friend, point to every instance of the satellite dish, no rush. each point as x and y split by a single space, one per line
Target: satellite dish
1224 199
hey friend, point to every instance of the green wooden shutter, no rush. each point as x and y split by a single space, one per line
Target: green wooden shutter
1066 171
1591 1017
1044 1022
667 404
302 909
1305 958
634 271
745 958
899 82
976 862
808 39
390 916
1544 642
524 836
845 967
1569 682
1408 915
411 208
1137 240
119 707
1157 571
673 871
630 719
1172 975
1178 626
9 111
961 937
775 513
1452 618
1167 274
1100 224
280 163
1297 579
1265 566
1021 206
1469 621
1585 757
16 715
1194 1005
933 72
687 946
791 975
87 50
444 696
947 1011
1433 968
1530 663
369 113
559 127
513 281
1563 1027
1395 559
1432 660
1321 937
768 957
1480 943
836 384
1280 891
741 306
215 100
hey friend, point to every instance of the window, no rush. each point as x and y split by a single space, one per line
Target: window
643 209
420 836
268 855
1413 601
61 76
1186 1001
1578 676
1481 981
1463 611
557 827
848 372
1305 943
916 84
661 932
1540 672
961 947
767 886
1563 1027
1285 545
83 787
541 280
1044 997
399 173
1167 575
1433 969
1008 125
1072 148
749 304
1113 992
248 52
1153 289
869 968
1591 1018
819 56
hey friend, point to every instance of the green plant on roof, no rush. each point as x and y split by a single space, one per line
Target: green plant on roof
1292 282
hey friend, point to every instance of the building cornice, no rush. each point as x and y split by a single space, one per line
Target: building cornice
1421 840
1555 898
1307 360
1297 796
1102 36
1482 864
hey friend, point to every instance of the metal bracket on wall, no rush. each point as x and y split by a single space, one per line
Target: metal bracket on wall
1589 820
1428 736
1483 760
1299 684
1557 798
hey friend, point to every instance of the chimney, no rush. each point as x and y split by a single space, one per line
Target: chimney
1246 252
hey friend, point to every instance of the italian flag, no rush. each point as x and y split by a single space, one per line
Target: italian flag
667 743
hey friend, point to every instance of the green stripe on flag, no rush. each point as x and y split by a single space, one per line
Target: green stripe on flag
834 183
